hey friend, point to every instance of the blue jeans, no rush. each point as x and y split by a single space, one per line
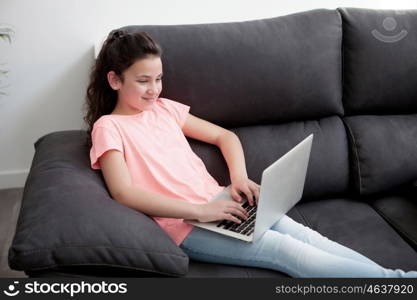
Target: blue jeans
289 247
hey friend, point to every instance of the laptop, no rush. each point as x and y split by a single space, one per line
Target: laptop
282 186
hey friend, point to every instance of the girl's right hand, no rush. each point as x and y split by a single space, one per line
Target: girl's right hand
221 210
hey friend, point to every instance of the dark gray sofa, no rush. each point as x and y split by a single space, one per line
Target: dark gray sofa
347 75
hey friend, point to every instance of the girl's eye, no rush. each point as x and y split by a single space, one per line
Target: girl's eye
159 79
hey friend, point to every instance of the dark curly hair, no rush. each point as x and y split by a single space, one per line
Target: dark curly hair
120 50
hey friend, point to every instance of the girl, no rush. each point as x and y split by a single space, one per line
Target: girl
138 141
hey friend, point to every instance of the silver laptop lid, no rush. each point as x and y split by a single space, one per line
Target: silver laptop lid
282 186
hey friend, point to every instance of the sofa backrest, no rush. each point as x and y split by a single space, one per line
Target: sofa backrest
272 81
380 96
254 72
379 61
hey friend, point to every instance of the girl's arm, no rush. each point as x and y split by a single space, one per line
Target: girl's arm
232 150
226 140
118 181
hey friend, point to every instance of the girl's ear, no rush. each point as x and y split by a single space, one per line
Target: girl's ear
113 80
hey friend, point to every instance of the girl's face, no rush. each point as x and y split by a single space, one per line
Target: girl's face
141 86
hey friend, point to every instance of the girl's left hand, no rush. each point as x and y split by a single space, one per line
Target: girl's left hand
246 186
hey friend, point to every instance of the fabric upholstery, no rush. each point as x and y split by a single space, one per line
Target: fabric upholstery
328 170
274 70
354 223
68 218
379 61
384 151
399 210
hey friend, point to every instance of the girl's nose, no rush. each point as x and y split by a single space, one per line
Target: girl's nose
153 89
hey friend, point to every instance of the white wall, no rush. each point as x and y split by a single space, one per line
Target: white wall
52 51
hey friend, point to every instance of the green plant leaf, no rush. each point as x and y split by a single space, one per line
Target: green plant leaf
6 34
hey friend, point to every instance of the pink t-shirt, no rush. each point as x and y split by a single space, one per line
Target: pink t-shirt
158 156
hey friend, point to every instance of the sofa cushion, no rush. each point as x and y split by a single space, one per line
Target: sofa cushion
384 151
379 61
328 169
206 270
273 70
196 269
357 225
399 209
68 218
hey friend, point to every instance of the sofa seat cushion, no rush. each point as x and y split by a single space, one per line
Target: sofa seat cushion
357 225
202 269
68 218
384 151
196 269
399 209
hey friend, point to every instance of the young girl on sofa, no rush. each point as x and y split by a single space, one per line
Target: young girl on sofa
138 141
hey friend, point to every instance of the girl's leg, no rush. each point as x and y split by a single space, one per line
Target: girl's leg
286 225
279 252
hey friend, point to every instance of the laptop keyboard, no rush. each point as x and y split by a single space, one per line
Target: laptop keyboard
247 226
